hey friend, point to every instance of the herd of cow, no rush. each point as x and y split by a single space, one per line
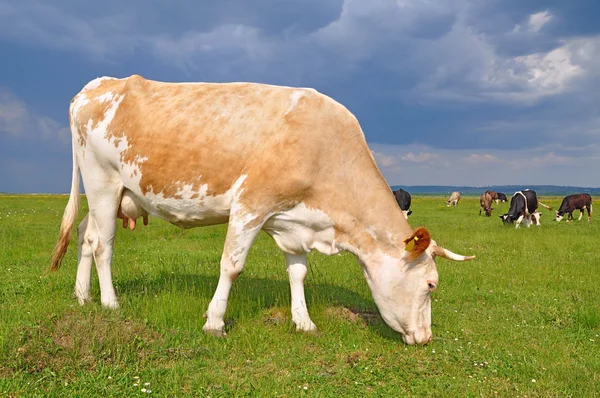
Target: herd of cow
523 205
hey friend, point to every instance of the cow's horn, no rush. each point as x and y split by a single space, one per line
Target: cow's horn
441 252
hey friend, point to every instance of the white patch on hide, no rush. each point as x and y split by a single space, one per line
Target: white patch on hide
96 83
190 208
301 229
294 98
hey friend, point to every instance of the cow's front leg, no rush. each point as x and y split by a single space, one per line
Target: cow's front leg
580 215
240 236
296 267
519 221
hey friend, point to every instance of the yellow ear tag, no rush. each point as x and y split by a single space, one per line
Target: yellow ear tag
411 245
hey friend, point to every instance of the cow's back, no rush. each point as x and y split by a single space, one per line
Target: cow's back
173 144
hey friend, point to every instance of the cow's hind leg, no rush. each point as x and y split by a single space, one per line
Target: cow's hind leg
241 232
86 237
103 203
589 210
296 267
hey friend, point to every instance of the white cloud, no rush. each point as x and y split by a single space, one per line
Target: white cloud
13 114
548 73
547 164
18 121
421 157
538 20
481 159
485 76
383 160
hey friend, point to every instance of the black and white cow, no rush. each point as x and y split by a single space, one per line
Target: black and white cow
403 198
523 205
501 197
579 201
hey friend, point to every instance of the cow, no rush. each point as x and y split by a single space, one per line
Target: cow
403 198
485 203
493 194
501 197
290 161
523 206
580 201
454 199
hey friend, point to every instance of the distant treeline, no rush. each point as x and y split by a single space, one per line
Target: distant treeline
541 190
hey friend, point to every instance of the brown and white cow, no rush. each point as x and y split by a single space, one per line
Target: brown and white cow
454 199
485 203
570 203
290 161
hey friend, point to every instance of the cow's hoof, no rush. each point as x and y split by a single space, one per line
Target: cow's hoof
306 327
82 299
111 304
214 331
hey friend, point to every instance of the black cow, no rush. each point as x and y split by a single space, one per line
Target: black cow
501 197
570 203
403 198
523 205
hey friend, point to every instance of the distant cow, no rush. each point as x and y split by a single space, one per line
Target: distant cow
523 205
454 198
501 197
570 203
403 198
493 194
485 203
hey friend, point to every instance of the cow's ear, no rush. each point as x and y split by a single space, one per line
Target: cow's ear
417 243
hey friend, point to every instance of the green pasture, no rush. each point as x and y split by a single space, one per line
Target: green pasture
521 320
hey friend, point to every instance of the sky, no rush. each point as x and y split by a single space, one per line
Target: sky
448 92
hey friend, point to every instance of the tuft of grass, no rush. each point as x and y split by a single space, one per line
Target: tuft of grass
522 319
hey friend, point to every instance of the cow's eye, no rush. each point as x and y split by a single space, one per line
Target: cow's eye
432 286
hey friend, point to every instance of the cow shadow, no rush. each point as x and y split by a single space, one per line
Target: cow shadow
257 295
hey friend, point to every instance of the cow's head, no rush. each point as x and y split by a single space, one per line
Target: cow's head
402 286
559 216
507 219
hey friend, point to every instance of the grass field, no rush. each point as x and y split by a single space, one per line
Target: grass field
523 319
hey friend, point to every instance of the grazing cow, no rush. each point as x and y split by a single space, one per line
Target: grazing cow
403 198
454 198
523 205
493 194
580 201
485 203
290 161
501 197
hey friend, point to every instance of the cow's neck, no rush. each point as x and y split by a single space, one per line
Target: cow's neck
372 226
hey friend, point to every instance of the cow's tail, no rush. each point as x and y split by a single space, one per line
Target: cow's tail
547 207
68 219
